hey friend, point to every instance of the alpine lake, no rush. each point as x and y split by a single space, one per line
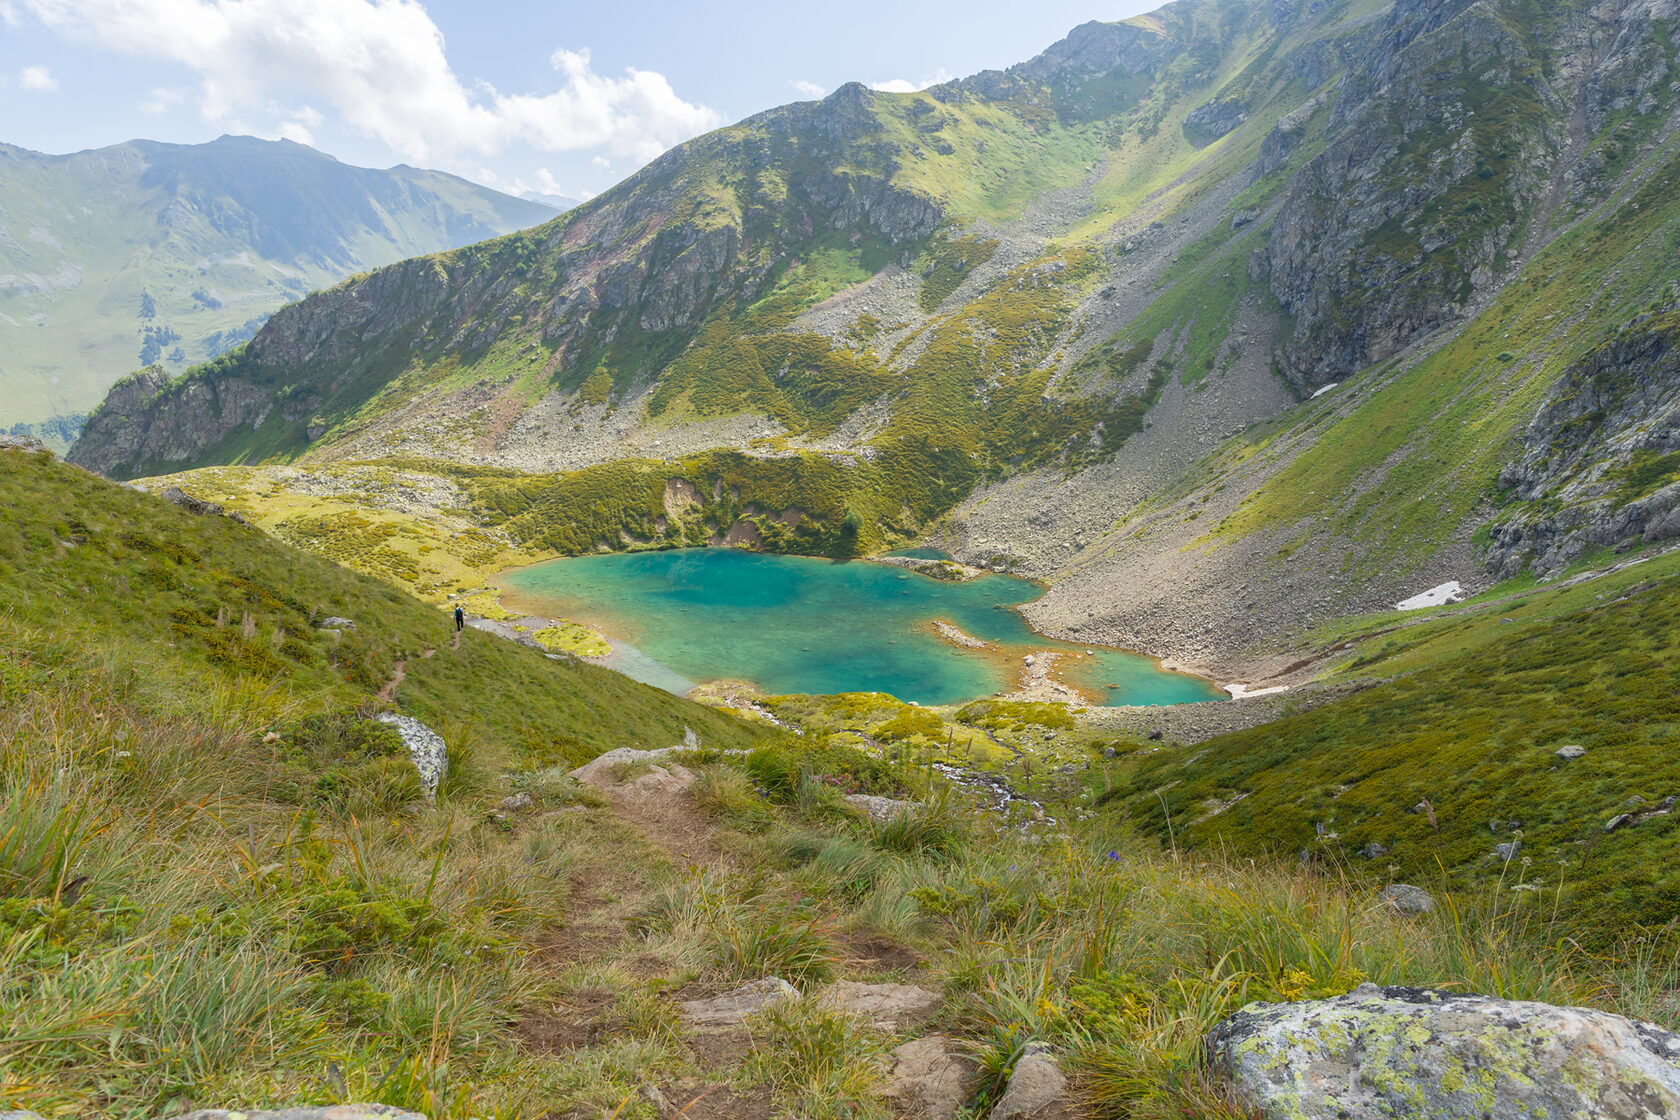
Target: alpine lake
797 624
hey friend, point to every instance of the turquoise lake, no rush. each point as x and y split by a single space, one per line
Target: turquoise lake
795 624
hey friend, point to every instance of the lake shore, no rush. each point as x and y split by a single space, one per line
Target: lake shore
813 626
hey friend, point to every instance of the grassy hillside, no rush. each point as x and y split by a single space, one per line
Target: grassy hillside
219 883
1451 752
216 878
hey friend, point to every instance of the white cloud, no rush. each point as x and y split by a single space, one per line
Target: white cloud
161 101
809 89
602 162
381 65
8 14
900 85
37 78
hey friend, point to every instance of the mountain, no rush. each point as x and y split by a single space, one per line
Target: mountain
1227 321
148 254
558 201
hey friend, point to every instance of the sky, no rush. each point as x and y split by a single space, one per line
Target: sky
560 98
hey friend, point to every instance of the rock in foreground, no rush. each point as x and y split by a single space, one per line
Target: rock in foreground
426 749
326 1112
1387 1052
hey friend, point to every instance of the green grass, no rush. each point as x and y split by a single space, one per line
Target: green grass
1409 465
1477 706
209 853
217 881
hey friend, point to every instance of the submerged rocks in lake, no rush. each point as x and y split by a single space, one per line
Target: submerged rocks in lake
1387 1052
425 747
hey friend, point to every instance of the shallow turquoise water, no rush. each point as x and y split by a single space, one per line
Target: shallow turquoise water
794 624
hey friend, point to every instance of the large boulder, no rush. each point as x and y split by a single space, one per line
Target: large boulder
1387 1052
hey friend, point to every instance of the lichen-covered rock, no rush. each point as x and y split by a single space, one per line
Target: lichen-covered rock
425 747
1405 1052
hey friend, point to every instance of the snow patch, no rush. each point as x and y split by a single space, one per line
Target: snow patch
1438 596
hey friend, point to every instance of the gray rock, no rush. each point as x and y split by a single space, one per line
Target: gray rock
1408 899
929 1078
881 809
13 1114
1506 852
1392 1052
426 749
733 1007
333 622
1617 821
1207 123
32 445
515 803
1571 752
603 770
1374 850
886 1006
1037 1082
327 1112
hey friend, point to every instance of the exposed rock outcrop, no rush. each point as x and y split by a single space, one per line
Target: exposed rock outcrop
1386 1052
1599 464
929 1077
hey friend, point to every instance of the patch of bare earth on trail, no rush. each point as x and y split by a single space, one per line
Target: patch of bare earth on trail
650 816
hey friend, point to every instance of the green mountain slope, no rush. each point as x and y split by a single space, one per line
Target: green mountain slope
168 254
1071 318
196 603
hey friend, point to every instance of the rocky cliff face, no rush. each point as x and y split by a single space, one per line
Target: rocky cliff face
1446 134
1600 466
